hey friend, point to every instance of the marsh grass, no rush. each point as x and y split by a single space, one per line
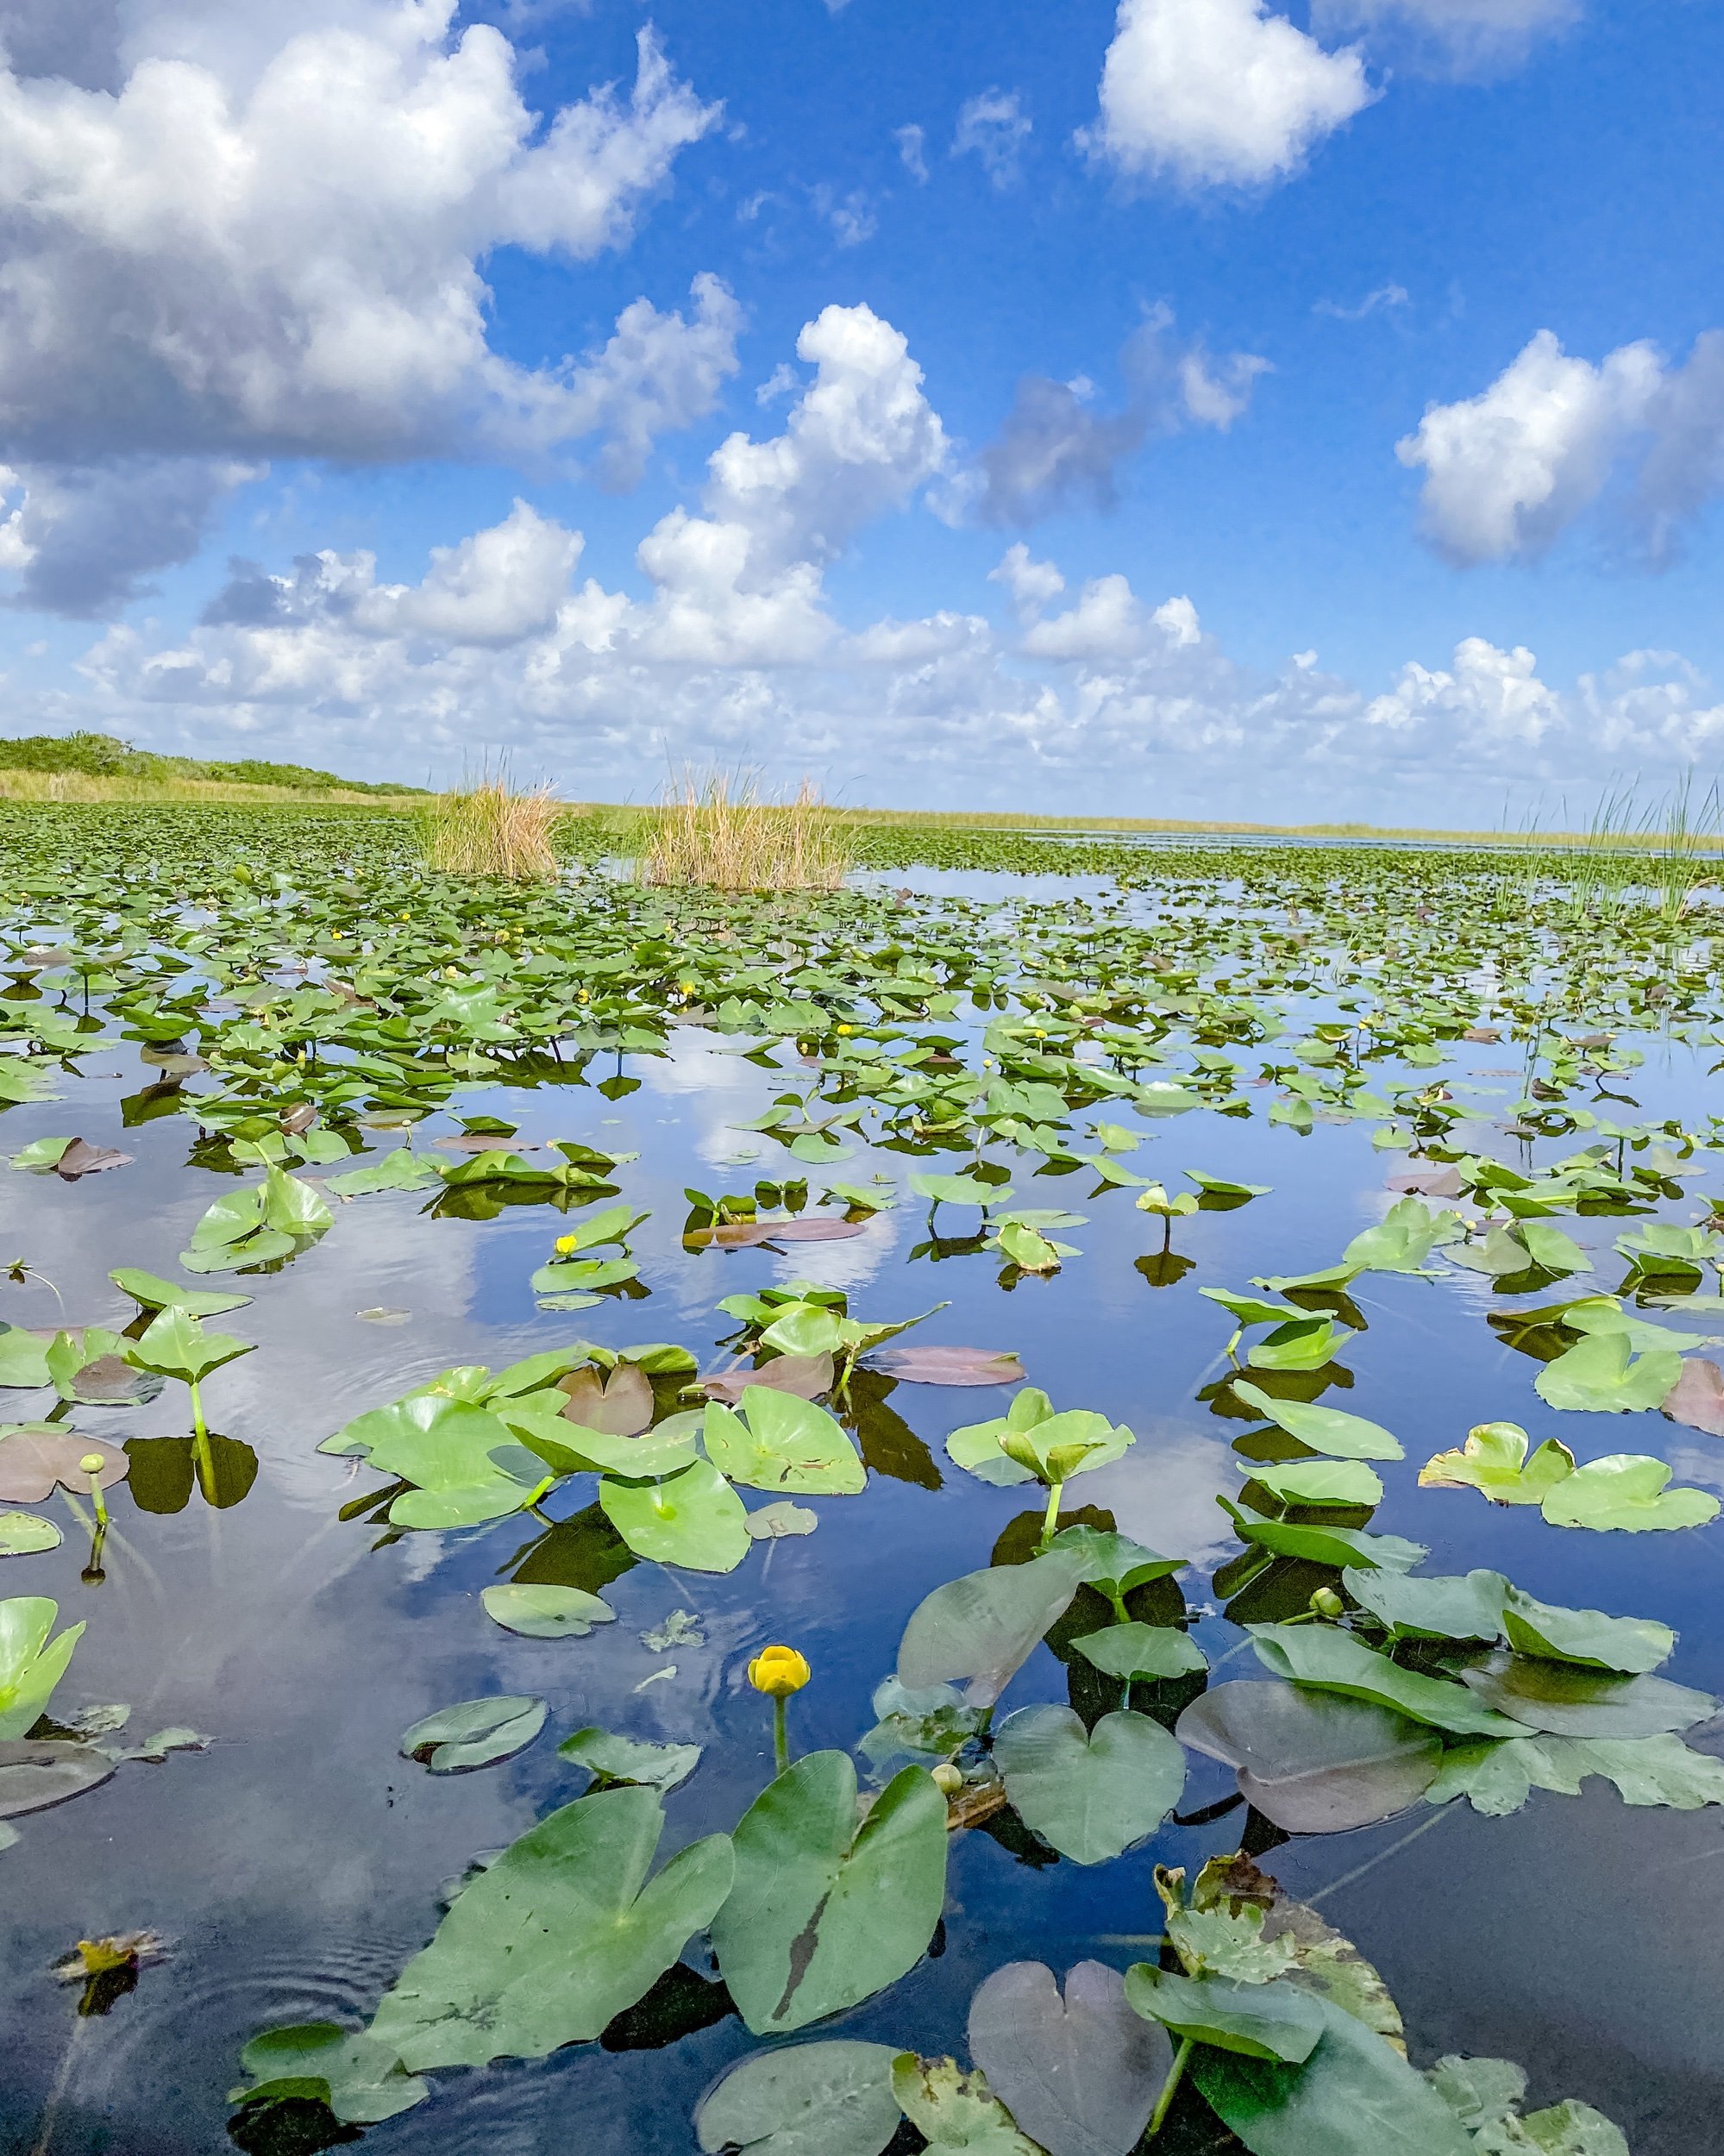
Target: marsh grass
718 831
487 826
17 785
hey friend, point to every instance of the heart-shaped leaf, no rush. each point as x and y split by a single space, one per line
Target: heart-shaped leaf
1494 1460
619 1403
949 1366
1091 1794
809 1376
555 1938
1600 1373
1080 2073
34 1456
1132 1651
824 1914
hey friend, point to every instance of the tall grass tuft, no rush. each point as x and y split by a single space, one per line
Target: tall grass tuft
488 827
719 832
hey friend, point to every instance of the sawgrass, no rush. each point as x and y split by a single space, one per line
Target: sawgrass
717 831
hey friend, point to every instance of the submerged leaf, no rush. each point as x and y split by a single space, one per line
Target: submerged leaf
1080 2073
949 1365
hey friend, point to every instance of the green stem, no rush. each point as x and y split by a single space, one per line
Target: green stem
781 1735
197 1422
1170 2089
1051 1521
98 1498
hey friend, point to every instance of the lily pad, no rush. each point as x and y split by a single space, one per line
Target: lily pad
661 1767
808 1376
823 1912
1274 2021
1498 1778
834 2098
772 1523
949 1365
23 1534
1696 1399
478 1733
776 1441
1334 1661
1313 1763
546 1613
1600 1375
693 1518
1627 1491
952 2110
1494 1460
1319 1482
361 2080
1468 1606
1633 1644
1081 2072
35 1774
554 1939
1321 1545
1091 1794
1563 1700
618 1402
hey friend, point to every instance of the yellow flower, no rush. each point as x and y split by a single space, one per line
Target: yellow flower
778 1672
565 1244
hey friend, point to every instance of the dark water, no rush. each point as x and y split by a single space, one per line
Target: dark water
294 1866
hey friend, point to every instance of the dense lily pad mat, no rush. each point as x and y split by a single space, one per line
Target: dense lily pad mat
1211 1150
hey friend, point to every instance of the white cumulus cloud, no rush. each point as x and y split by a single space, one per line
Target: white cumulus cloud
1219 93
1487 699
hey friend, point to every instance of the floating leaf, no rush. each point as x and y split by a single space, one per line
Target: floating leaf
35 1457
151 1292
985 1625
479 1732
661 1767
823 1912
546 1613
1564 1701
1091 1794
34 1774
81 1159
1696 1399
1627 1491
1314 1762
22 1534
1469 1607
1493 1460
808 1376
466 1464
1080 2073
1599 1373
616 1403
693 1518
1113 1564
1320 1545
1498 1778
779 1442
954 2109
771 1523
1319 1482
823 2099
361 2080
555 1938
949 1366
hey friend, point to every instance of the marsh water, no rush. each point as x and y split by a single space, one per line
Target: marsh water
292 1866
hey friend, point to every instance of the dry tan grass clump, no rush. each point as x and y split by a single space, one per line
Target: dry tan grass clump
488 827
719 832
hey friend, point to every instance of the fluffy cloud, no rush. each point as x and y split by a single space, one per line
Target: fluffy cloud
1489 700
1055 449
995 128
1507 472
1219 93
218 242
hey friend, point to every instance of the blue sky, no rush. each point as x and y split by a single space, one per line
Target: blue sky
1184 408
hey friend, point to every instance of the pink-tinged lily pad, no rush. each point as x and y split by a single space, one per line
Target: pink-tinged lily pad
1438 1181
81 1158
36 1456
737 1235
1696 1399
618 1403
949 1365
806 1376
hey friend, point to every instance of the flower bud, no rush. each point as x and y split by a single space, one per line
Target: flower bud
778 1672
1327 1603
948 1779
92 1463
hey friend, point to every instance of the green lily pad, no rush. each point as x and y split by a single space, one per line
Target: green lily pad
546 1613
1091 1794
23 1534
1586 1636
661 1767
823 1912
1334 1661
1627 1491
779 1442
1600 1375
1494 1460
1469 1607
834 2098
478 1733
361 2080
694 1519
1561 1700
952 2110
554 1941
1273 2020
1135 1651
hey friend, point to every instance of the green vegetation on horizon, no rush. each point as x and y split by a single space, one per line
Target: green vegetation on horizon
92 756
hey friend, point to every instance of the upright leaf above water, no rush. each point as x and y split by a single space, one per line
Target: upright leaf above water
986 1625
31 1665
824 1914
555 1938
1494 1460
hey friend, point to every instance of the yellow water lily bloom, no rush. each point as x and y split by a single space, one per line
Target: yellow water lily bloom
565 1244
778 1672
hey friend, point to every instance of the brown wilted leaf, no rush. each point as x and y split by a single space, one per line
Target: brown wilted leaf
949 1365
1696 1399
80 1158
807 1377
616 1403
